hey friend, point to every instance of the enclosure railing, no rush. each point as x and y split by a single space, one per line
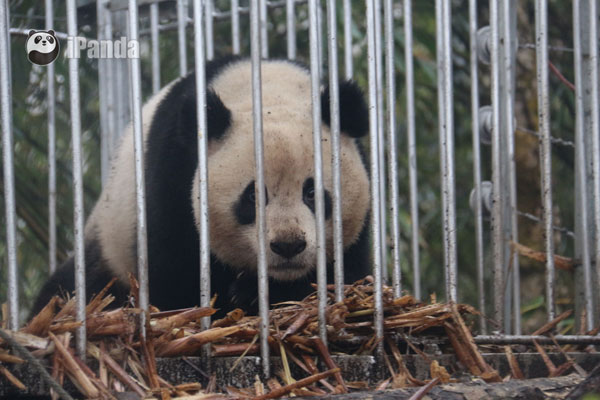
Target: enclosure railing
121 101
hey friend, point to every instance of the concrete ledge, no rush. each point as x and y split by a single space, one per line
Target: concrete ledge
354 368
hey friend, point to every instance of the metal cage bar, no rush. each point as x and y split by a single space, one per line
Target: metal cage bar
381 139
581 168
508 94
541 29
446 123
392 145
315 62
104 87
8 166
497 195
140 186
374 165
348 66
334 105
412 147
154 42
209 17
264 32
51 150
595 128
78 210
182 13
476 161
235 27
263 279
290 28
201 111
441 115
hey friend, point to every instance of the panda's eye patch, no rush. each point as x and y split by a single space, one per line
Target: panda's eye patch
245 207
250 193
37 39
308 197
50 39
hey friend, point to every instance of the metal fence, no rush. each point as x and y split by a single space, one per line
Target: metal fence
495 44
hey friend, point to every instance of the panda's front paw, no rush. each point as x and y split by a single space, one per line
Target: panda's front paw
243 293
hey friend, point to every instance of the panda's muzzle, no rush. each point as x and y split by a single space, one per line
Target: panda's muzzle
288 249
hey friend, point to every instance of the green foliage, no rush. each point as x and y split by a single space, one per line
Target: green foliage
591 396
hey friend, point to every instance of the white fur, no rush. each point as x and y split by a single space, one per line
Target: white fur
288 149
113 219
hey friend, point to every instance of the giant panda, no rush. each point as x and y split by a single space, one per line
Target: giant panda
172 180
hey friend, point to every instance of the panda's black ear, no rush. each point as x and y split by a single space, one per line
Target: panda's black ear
354 114
31 32
51 32
218 117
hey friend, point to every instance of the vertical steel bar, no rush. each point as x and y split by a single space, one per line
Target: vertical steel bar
319 191
444 53
235 27
109 73
541 28
392 150
78 210
210 52
182 13
263 279
374 165
199 71
477 161
448 175
334 105
103 65
140 189
441 116
348 67
121 89
581 173
264 31
291 29
412 146
497 212
51 151
8 165
322 59
595 126
509 37
381 139
155 47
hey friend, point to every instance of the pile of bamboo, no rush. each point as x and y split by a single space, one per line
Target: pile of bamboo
126 362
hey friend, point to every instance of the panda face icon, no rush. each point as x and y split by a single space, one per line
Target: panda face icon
42 47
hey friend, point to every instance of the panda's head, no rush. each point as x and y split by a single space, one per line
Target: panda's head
289 168
42 47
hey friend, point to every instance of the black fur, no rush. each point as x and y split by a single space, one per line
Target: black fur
309 185
173 240
245 208
97 277
354 114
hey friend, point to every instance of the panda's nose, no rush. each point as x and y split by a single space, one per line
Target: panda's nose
288 249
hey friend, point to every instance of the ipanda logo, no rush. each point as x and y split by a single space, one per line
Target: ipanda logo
121 48
42 47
